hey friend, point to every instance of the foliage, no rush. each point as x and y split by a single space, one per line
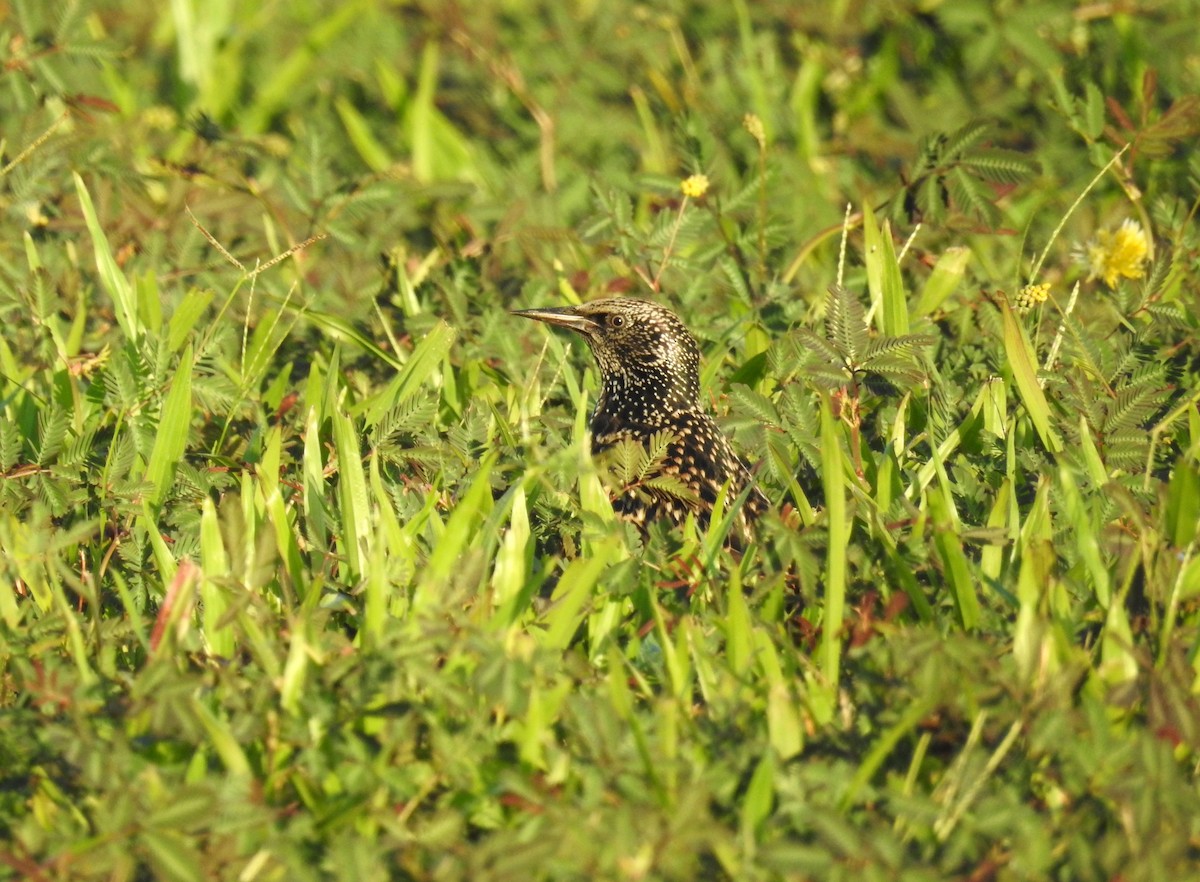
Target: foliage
306 571
953 171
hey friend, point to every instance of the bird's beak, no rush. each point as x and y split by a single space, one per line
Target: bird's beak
563 316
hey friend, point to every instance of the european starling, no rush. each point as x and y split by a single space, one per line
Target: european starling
650 373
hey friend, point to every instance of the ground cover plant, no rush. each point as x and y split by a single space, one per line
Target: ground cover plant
306 573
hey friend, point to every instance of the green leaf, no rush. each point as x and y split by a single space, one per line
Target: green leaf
1000 166
111 277
573 592
471 509
419 368
947 274
736 279
970 196
759 800
373 153
173 856
832 471
222 739
758 405
1021 362
962 139
784 726
186 315
954 561
846 326
511 572
188 808
52 431
214 564
1182 513
174 424
807 340
353 498
883 276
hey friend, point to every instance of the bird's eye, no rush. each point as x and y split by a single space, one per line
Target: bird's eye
616 320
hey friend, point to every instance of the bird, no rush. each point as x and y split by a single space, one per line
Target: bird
650 383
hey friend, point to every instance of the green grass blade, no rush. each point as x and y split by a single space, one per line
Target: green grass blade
991 557
163 559
947 274
574 590
739 637
1087 541
1022 363
174 424
111 277
358 130
221 737
295 669
214 564
954 561
884 745
439 150
839 540
513 561
758 802
471 511
339 328
353 501
420 366
186 316
884 281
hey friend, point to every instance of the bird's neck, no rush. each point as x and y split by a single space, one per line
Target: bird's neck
645 397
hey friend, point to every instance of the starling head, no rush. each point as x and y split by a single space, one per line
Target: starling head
649 363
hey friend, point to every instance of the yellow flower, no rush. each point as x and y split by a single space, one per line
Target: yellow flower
694 186
1031 295
1116 253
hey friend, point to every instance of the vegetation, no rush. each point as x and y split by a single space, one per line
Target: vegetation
305 572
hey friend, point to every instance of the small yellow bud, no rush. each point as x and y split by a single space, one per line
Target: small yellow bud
694 186
1031 295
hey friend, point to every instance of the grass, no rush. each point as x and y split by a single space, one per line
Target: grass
306 573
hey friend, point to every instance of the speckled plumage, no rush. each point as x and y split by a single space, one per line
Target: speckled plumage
650 376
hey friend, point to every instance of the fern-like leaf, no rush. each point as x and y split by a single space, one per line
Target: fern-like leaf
1156 277
902 346
1132 408
670 485
846 325
625 461
962 139
757 404
52 430
819 346
1000 166
736 279
970 196
655 452
1170 314
1085 354
10 444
